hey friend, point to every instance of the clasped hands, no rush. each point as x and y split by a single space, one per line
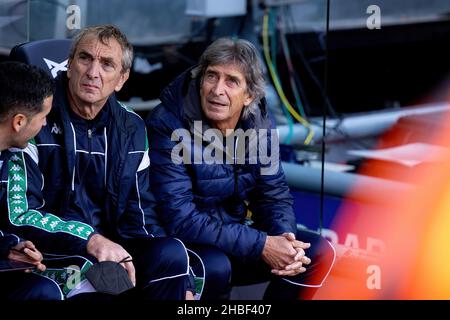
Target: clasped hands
286 255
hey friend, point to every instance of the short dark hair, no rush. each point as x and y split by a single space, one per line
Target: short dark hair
23 89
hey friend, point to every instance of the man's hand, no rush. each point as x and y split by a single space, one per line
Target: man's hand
278 252
189 295
26 252
106 250
300 258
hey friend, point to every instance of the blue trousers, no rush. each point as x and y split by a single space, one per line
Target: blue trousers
162 267
18 286
224 271
161 264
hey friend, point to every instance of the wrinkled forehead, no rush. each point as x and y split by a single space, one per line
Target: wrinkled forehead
100 48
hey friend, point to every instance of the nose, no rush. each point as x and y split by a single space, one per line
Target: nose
93 70
219 88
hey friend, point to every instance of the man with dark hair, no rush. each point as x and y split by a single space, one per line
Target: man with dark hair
94 158
26 94
26 99
215 162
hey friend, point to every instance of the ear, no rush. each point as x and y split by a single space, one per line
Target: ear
248 99
19 121
69 71
123 78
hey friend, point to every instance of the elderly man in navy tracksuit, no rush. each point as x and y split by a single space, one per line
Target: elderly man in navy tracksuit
93 154
208 139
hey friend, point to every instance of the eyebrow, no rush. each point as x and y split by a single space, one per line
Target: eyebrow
108 59
232 77
210 72
102 59
85 53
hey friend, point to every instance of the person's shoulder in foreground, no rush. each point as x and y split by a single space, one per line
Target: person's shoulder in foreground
25 100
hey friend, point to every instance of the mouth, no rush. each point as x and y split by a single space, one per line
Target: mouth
89 86
217 104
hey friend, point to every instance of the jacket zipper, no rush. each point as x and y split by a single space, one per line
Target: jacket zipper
235 169
89 139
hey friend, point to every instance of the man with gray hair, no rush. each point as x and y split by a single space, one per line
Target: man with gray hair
94 157
218 182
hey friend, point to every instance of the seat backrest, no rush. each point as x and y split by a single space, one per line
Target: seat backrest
50 55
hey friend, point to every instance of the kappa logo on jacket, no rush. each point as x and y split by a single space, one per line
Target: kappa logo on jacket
56 129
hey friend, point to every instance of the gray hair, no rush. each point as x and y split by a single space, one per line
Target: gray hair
241 53
104 33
